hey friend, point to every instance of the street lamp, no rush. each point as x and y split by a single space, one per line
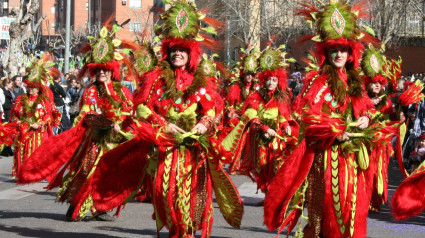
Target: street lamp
67 35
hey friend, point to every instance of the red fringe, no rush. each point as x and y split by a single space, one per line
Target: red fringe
284 185
280 74
112 66
355 46
45 162
377 79
144 92
234 95
409 198
306 11
362 7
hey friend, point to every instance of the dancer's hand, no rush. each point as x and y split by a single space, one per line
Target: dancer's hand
35 126
376 100
363 122
173 128
116 127
270 132
200 128
345 136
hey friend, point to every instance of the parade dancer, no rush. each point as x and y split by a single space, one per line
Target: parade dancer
34 112
175 142
329 172
69 159
244 84
268 133
376 84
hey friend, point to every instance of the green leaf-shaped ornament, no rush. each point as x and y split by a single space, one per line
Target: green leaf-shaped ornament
103 32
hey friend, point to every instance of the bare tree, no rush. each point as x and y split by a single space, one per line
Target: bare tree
20 30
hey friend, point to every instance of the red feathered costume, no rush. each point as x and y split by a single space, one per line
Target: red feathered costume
333 178
79 150
382 150
35 115
260 155
183 168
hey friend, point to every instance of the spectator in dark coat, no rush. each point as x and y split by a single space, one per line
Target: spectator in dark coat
59 96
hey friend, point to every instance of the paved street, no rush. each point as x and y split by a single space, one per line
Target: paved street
29 211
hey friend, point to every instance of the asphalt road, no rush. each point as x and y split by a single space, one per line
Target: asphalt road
29 211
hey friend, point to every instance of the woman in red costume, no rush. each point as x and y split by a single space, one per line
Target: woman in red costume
244 85
34 112
175 142
385 116
329 172
266 137
101 125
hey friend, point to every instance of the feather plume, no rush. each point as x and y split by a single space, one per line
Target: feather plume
51 156
284 185
413 94
409 198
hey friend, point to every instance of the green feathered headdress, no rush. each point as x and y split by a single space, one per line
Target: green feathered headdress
105 52
273 59
41 70
336 21
208 66
249 62
104 48
372 62
183 21
145 56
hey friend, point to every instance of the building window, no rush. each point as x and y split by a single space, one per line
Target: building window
53 25
135 3
53 10
135 27
87 6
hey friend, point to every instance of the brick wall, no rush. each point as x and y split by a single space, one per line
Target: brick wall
80 13
47 7
139 18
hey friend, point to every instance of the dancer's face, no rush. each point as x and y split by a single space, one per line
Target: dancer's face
179 57
375 87
33 91
271 83
248 78
339 56
103 76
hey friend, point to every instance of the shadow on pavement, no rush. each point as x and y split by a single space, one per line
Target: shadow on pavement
129 231
46 233
40 215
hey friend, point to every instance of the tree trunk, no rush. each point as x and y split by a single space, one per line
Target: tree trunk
20 30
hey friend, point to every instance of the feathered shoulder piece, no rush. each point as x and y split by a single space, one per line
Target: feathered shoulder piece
392 71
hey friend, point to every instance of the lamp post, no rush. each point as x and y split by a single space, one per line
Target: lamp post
89 20
67 36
